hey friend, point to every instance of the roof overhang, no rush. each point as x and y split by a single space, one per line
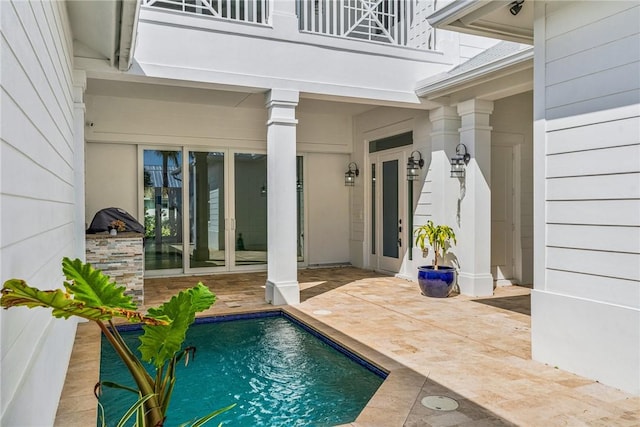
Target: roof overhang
489 18
504 77
104 30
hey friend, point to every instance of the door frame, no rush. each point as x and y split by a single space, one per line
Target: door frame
376 260
514 141
229 214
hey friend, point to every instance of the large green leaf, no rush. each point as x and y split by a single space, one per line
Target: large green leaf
94 287
17 293
160 343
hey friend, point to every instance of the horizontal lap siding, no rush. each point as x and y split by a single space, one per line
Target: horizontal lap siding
593 166
37 200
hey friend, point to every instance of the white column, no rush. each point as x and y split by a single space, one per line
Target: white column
474 237
282 263
445 125
79 86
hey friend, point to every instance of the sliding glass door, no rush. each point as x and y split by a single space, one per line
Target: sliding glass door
207 235
224 221
163 210
250 202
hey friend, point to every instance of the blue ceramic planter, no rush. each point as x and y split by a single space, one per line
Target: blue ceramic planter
436 283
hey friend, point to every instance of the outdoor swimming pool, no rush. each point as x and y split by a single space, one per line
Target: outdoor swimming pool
277 371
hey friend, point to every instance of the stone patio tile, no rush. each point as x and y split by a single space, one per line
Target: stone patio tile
476 350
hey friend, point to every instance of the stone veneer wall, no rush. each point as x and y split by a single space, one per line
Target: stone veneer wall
121 257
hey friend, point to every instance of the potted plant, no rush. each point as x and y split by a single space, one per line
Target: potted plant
435 280
116 225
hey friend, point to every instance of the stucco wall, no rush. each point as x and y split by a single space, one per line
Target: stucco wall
586 301
512 123
112 179
37 198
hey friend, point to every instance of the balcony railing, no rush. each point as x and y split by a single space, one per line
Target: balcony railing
236 10
396 22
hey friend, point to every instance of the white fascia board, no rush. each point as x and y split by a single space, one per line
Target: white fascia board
128 33
466 16
463 10
432 88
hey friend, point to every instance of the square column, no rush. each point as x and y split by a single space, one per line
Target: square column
474 237
282 261
445 125
79 86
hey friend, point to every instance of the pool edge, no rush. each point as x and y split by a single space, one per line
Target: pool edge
392 402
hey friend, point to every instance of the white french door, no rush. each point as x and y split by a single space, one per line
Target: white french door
388 210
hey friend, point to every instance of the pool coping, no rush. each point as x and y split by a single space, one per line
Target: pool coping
390 405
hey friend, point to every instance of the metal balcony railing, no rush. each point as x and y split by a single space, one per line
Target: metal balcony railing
238 10
397 22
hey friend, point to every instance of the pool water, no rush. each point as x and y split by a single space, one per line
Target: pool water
278 374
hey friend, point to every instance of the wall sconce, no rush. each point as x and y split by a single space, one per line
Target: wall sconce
414 166
350 175
459 161
516 6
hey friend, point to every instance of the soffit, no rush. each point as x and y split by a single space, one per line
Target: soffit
104 29
487 18
214 97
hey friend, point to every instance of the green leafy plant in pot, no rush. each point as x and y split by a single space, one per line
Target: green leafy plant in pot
91 295
435 280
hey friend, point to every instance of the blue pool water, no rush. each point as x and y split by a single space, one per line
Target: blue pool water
277 372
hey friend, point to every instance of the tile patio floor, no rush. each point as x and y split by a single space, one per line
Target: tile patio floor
474 350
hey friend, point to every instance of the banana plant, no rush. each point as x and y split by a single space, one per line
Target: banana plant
437 236
89 294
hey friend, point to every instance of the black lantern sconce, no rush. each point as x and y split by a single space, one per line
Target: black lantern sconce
516 7
413 166
459 161
351 174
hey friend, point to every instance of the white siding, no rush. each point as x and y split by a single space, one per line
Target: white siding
37 198
588 78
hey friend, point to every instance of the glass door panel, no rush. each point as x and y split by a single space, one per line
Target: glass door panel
390 214
250 195
207 238
163 209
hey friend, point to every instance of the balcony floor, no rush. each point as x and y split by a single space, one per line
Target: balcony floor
474 350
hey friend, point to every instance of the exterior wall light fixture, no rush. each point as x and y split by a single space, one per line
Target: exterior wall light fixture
459 161
516 6
413 166
351 174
